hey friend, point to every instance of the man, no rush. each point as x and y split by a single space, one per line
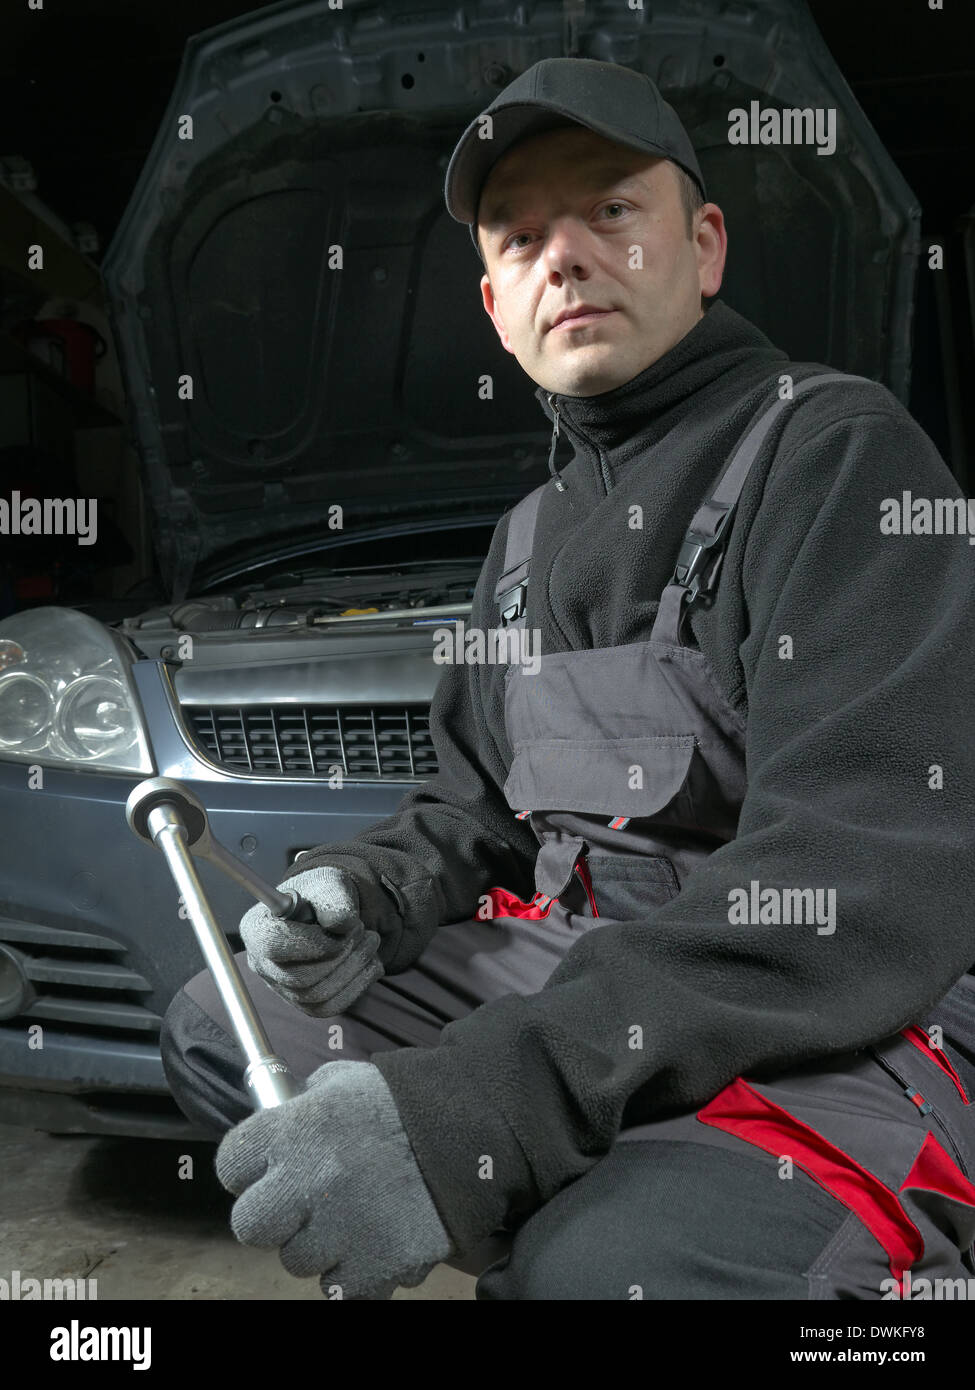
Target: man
664 973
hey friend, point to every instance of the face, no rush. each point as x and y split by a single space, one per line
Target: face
568 218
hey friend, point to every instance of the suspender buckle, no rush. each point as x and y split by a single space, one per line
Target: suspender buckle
512 603
694 558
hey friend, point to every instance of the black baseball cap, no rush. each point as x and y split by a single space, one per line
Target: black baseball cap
614 101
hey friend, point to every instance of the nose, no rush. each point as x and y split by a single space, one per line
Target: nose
567 250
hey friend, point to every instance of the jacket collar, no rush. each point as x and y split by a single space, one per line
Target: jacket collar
608 430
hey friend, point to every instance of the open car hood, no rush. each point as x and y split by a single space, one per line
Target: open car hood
299 319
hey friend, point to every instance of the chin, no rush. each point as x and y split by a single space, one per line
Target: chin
582 379
591 385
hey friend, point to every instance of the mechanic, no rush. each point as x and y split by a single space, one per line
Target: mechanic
529 1009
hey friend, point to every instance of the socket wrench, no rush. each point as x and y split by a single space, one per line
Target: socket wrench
165 813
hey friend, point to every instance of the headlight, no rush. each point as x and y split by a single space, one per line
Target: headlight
65 693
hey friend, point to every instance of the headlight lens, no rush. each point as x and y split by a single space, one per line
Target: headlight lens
26 709
66 694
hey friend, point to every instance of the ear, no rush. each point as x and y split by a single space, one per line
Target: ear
712 249
491 309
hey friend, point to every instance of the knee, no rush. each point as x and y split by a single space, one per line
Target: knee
202 1067
564 1261
563 1253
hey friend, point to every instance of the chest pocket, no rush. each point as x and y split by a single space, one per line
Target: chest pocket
634 777
583 787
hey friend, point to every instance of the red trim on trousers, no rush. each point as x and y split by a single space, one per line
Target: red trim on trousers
935 1170
741 1110
922 1042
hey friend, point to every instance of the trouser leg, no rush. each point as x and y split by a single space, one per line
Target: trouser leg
670 1220
847 1178
466 964
677 1209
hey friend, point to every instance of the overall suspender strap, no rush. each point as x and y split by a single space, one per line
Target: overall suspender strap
512 587
700 555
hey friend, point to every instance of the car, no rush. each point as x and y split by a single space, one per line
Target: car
329 434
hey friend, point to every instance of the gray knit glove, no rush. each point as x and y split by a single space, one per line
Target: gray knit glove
323 968
330 1177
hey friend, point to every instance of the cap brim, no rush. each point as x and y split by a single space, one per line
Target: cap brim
474 158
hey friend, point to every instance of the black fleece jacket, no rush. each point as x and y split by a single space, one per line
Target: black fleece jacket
843 741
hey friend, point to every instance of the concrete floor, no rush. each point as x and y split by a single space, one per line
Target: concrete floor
116 1210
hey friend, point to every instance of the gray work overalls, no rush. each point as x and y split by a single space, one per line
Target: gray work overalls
629 764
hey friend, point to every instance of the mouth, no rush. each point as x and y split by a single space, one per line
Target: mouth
579 318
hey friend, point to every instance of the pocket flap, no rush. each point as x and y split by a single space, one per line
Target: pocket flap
598 775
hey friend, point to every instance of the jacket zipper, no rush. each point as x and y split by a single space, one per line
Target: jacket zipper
559 485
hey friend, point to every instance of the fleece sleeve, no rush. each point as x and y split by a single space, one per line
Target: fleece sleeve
452 837
861 771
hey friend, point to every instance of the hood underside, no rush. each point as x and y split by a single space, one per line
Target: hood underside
300 321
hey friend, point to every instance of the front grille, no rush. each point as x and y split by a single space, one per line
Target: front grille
366 742
78 978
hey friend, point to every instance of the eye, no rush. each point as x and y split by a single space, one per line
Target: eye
610 206
512 239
